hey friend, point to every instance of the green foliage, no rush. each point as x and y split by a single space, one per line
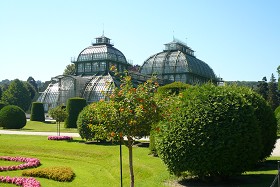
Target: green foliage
37 112
173 88
277 115
61 174
213 131
272 97
73 108
17 94
69 70
265 118
31 90
2 105
12 117
58 113
89 126
1 92
32 81
262 88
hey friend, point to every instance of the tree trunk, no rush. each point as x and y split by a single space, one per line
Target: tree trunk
130 142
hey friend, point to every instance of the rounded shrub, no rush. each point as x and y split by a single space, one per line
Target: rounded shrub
265 118
37 112
89 127
73 108
12 117
213 132
172 88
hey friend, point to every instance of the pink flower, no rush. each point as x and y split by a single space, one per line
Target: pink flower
21 181
28 163
60 138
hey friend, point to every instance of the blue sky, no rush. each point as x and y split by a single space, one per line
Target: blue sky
238 39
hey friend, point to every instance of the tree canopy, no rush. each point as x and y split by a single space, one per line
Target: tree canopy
17 94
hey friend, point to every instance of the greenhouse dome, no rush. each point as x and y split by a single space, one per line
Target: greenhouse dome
99 57
92 80
178 63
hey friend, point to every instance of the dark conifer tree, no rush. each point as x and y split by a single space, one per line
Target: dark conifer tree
262 88
272 97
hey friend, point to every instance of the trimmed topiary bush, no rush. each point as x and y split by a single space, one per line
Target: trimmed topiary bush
12 117
88 126
37 112
73 108
212 132
173 88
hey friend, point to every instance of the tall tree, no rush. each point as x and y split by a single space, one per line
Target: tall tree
1 92
32 81
69 70
31 89
262 88
17 94
272 96
278 71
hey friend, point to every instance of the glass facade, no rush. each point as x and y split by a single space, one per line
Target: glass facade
178 63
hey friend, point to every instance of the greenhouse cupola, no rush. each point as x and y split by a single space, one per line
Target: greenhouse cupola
178 63
98 58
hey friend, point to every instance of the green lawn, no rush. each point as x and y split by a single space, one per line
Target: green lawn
98 165
94 165
49 126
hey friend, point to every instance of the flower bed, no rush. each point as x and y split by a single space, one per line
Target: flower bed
21 181
28 163
60 138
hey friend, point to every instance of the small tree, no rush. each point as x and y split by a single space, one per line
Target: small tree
59 114
131 112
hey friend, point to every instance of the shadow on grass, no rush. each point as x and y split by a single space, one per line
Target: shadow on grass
266 165
257 180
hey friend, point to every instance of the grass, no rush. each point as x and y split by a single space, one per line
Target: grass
48 126
98 164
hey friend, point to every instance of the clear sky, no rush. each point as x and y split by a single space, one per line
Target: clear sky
238 39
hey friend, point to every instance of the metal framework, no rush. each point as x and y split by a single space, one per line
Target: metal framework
93 79
178 63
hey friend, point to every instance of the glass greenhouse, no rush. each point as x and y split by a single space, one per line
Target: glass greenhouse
178 63
93 79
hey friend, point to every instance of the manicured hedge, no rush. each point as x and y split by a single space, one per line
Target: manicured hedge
37 112
213 131
173 88
12 117
73 108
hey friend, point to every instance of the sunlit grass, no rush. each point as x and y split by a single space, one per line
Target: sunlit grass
94 165
48 126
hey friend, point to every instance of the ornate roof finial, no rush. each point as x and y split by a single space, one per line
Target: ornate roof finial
103 30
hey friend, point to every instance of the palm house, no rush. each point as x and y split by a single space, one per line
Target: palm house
93 79
178 63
